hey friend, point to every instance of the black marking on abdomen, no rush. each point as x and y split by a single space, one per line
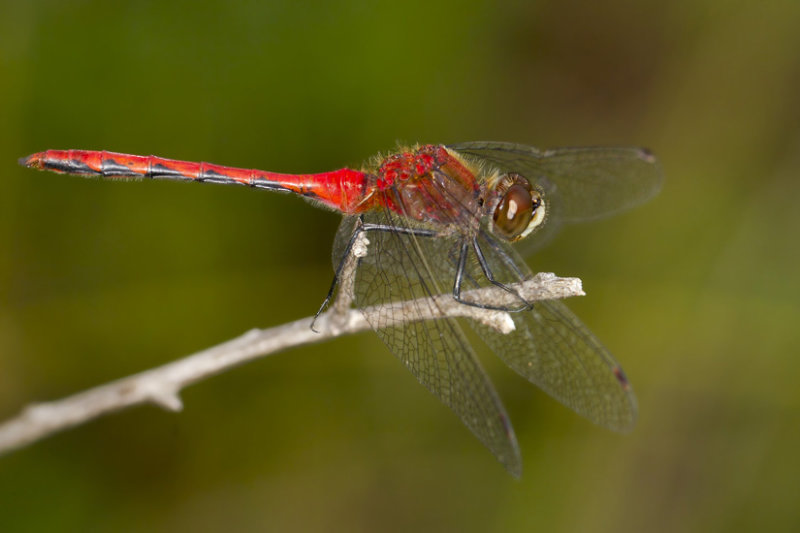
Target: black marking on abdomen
212 176
269 186
110 167
69 166
221 180
160 171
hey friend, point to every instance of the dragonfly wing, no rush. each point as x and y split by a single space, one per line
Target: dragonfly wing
588 183
401 267
553 349
579 184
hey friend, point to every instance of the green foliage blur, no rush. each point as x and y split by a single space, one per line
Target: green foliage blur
696 293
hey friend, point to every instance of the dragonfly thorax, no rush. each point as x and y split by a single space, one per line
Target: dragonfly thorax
431 184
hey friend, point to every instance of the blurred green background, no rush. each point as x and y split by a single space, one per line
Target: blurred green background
696 293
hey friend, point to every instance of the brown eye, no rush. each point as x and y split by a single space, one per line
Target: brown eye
519 209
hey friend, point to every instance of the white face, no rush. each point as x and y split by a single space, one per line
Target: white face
517 209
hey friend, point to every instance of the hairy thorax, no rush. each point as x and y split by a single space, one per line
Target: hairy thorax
430 184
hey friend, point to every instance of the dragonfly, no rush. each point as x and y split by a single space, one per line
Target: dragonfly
444 220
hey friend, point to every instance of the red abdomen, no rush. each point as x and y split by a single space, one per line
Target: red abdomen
344 189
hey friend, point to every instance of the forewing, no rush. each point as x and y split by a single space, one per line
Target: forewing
580 184
400 268
588 183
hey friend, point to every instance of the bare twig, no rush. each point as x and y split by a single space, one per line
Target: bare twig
162 385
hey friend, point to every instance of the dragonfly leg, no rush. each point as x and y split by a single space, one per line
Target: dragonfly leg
489 276
361 228
508 261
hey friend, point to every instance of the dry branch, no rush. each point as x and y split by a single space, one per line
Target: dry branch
162 385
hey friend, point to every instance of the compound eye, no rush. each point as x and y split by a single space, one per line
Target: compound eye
518 212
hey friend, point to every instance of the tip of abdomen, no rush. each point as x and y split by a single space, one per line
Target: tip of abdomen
32 161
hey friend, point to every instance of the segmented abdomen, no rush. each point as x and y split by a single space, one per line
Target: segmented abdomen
343 189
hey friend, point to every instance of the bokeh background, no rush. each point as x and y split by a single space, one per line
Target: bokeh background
696 293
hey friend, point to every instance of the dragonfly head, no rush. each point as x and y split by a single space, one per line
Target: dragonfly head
516 207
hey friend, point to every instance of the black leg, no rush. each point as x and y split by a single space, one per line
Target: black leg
510 263
489 276
348 249
336 273
462 261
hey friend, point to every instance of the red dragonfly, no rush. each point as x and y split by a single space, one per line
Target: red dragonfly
442 219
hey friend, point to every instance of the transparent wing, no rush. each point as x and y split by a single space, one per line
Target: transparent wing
554 350
589 183
403 267
580 184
